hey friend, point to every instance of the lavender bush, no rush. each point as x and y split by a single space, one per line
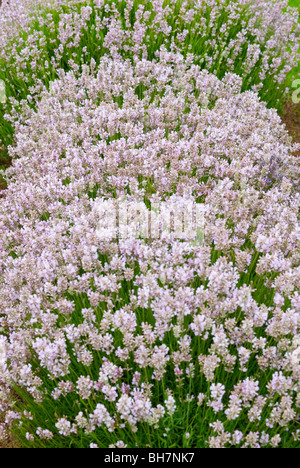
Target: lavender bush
108 341
147 342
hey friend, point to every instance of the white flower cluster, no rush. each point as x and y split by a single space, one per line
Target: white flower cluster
110 322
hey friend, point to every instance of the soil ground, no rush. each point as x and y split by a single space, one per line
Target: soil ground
291 118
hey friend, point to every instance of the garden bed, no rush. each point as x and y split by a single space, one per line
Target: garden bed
150 230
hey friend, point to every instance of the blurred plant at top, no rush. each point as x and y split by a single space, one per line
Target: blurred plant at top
256 39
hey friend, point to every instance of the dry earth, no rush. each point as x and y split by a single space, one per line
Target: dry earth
291 118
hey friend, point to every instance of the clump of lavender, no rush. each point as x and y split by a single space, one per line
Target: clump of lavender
139 342
252 38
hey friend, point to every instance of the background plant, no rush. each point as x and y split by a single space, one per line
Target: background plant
254 39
